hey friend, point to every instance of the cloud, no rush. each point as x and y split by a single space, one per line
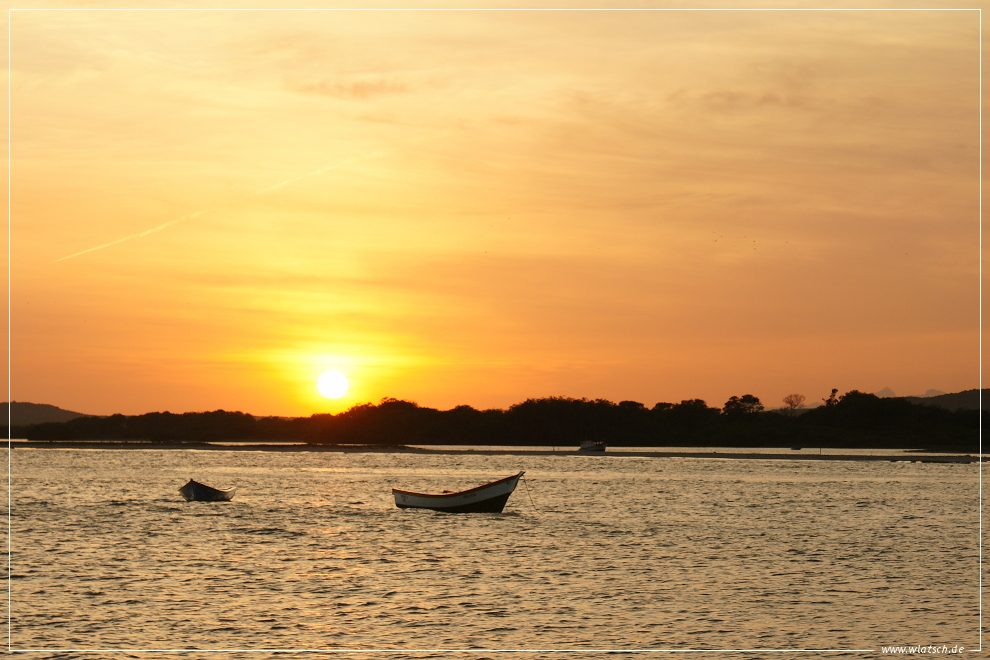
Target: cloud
354 88
728 100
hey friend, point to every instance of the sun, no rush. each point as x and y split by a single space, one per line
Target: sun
332 384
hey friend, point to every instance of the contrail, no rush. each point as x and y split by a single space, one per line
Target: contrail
127 238
346 161
263 191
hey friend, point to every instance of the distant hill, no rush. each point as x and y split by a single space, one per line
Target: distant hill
933 393
887 393
23 413
966 400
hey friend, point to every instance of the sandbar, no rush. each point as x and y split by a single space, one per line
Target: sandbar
482 451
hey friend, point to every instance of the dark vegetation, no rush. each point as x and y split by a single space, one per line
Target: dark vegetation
855 419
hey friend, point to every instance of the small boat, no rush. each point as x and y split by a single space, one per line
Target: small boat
195 491
490 498
592 447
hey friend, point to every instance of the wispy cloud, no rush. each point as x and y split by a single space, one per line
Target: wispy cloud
355 88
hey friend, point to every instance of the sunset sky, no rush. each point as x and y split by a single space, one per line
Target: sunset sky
210 209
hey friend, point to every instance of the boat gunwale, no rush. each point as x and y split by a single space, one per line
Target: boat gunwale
460 492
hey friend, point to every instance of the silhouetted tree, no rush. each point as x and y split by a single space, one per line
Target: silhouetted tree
792 402
746 406
686 422
559 420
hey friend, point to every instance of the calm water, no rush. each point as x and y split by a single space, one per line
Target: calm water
592 552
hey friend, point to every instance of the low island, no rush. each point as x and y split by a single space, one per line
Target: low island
855 420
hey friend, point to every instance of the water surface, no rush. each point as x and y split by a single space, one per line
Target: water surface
592 552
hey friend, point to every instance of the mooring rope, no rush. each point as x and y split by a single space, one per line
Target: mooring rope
523 479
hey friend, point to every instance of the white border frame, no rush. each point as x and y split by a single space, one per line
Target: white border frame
10 648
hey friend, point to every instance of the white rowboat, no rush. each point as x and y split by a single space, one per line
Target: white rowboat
490 498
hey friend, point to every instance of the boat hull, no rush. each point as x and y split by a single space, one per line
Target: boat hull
490 498
197 492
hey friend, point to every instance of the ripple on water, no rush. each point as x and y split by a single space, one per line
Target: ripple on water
622 554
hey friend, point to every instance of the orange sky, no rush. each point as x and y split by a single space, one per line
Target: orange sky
209 209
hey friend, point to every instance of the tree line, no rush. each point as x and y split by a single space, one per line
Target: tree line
855 419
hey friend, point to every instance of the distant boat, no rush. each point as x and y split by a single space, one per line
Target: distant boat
490 498
592 446
195 491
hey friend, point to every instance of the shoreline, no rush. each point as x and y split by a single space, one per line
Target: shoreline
403 449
